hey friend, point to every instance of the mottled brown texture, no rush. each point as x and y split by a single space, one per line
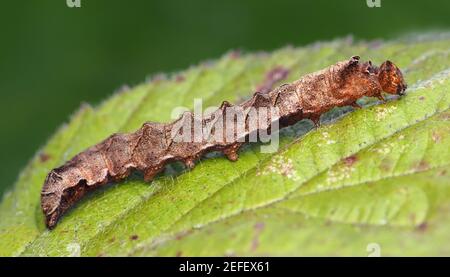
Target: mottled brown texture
274 76
152 147
350 160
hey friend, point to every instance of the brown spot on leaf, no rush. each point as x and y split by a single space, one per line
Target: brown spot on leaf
181 235
386 165
235 54
445 116
134 237
375 44
259 227
123 89
43 157
422 98
255 244
422 227
159 77
179 78
436 136
423 165
350 160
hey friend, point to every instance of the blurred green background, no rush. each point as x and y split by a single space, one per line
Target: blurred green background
52 58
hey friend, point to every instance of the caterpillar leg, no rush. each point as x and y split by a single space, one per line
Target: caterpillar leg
381 98
150 173
355 105
231 152
316 120
190 163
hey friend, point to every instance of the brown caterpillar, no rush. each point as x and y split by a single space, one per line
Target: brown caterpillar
153 146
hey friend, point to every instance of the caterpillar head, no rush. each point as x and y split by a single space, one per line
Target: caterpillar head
391 78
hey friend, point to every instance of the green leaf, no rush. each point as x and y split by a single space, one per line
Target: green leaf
375 179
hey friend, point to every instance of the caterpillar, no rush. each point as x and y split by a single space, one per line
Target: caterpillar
154 145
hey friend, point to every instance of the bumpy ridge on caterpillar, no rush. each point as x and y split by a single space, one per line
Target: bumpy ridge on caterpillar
154 145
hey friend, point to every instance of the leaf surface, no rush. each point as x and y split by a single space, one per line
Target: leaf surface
375 178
